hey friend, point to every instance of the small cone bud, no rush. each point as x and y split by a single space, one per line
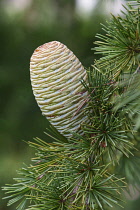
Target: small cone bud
55 76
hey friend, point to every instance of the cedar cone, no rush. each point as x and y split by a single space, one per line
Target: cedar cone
55 77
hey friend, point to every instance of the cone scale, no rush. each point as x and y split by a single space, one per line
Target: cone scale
56 75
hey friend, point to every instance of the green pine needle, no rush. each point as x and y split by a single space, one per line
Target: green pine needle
120 46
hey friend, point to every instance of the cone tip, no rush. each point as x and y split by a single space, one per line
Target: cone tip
47 45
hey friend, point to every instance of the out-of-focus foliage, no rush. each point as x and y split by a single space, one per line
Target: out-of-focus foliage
21 31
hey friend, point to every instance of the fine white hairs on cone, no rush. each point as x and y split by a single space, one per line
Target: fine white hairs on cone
56 75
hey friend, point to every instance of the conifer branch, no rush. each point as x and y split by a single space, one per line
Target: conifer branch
79 168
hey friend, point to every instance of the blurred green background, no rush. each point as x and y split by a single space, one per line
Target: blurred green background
24 25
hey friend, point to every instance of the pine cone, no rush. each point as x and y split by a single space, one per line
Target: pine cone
55 76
